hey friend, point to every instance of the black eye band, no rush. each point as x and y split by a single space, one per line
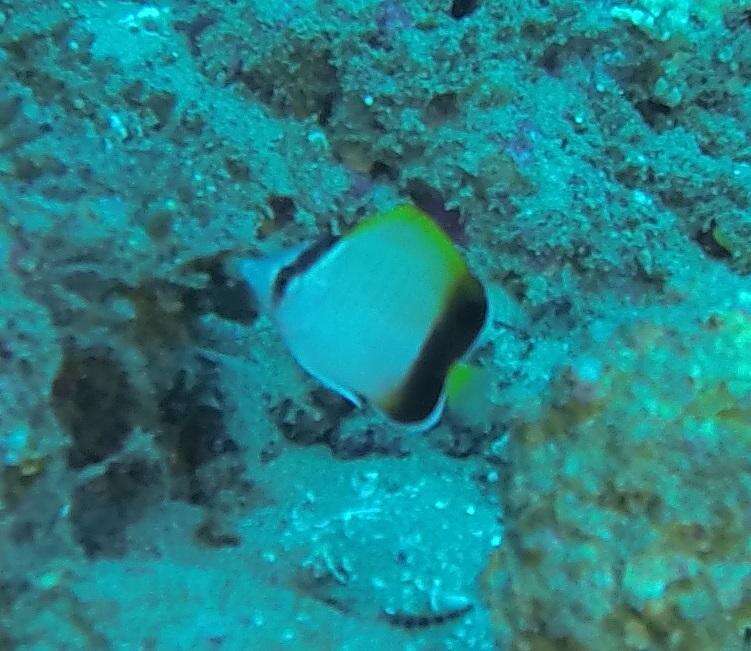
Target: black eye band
302 263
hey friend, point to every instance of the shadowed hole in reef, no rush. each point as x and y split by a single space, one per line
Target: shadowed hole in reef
206 466
237 168
193 419
550 60
431 201
706 239
300 82
282 214
656 115
283 209
194 28
462 8
104 507
380 171
441 109
322 418
94 402
223 295
311 421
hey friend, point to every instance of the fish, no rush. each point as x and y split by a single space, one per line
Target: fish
379 314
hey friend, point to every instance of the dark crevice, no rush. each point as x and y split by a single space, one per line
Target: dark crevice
380 171
441 108
550 60
655 114
194 28
705 238
301 84
237 168
322 419
223 295
283 209
326 108
104 507
431 201
313 422
463 8
193 413
94 402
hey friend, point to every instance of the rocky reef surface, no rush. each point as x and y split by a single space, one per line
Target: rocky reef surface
169 479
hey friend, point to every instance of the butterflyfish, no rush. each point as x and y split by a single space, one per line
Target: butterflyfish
379 314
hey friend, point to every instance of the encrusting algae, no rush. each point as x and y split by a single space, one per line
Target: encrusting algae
629 506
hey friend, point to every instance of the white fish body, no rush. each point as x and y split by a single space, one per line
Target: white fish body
378 315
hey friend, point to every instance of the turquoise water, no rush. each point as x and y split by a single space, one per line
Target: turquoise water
171 478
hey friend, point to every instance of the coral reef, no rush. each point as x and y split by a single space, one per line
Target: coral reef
30 354
593 160
629 501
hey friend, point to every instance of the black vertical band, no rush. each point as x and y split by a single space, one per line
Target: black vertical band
452 337
300 264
